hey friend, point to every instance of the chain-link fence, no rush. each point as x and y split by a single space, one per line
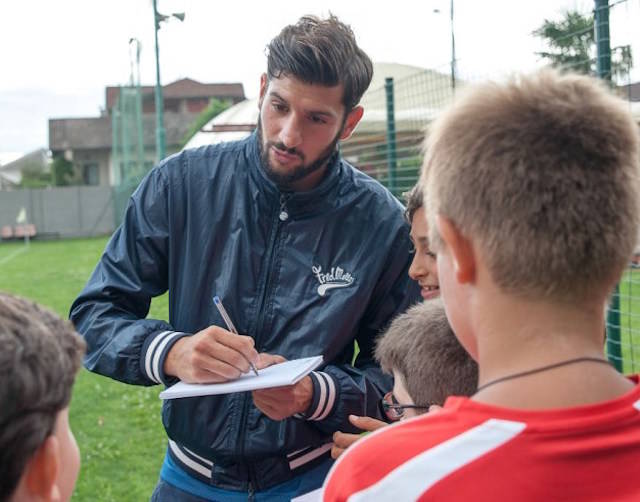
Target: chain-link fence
130 159
389 140
388 143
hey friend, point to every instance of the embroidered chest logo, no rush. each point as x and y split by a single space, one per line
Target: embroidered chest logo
336 278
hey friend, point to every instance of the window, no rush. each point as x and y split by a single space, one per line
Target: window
91 174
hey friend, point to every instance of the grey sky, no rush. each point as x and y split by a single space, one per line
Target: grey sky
58 56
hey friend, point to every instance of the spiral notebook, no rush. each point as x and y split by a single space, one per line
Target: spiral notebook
278 375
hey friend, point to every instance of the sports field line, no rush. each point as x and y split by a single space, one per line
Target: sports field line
10 257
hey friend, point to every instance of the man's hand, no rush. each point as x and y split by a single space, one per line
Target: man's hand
282 402
342 440
265 360
210 356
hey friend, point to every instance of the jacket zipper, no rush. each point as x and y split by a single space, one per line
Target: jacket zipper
283 215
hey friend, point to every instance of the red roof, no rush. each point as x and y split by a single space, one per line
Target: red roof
185 88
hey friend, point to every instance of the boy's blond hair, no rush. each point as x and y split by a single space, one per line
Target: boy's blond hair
542 173
420 346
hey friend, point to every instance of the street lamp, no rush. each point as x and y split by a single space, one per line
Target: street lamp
453 46
453 51
160 133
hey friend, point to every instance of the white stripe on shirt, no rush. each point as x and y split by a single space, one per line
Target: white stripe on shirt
188 461
410 480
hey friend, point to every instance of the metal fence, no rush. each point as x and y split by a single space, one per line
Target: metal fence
623 323
388 145
60 212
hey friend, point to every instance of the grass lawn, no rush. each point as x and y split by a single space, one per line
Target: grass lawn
117 426
629 322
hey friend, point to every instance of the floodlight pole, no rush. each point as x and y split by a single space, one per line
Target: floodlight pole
453 50
160 133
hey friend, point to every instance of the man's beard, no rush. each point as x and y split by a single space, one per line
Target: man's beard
284 181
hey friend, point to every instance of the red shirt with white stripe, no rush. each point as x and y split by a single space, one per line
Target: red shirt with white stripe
473 451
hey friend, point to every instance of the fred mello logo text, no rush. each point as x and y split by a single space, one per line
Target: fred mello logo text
335 278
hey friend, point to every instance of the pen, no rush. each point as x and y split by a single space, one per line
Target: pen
229 323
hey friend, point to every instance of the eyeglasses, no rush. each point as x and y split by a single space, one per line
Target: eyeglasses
394 410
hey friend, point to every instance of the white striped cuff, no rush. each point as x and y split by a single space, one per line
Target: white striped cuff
324 396
156 352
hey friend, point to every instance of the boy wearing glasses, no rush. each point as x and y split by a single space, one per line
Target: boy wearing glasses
40 356
533 208
428 365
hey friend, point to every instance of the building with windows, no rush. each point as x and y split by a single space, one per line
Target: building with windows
88 143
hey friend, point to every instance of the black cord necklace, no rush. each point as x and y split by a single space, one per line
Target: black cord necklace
543 368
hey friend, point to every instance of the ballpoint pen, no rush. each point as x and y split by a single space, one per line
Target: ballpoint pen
229 323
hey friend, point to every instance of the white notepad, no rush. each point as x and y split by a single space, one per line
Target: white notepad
278 375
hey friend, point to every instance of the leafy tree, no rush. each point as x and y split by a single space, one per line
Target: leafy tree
572 45
215 107
34 177
61 171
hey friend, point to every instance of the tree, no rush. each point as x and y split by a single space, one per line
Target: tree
61 171
572 45
34 177
215 107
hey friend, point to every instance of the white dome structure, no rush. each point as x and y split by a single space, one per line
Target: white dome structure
240 120
234 123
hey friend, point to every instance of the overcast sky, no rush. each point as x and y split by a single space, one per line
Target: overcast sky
56 57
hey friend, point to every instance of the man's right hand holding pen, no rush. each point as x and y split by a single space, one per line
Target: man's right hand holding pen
214 355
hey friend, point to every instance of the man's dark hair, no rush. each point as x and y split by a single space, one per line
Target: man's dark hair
414 201
40 355
422 348
321 51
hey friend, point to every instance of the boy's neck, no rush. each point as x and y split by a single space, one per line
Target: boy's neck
514 335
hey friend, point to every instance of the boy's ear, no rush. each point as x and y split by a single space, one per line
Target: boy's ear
351 122
461 249
41 472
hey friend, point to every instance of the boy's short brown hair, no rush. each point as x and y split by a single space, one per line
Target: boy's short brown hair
414 199
40 355
542 172
421 346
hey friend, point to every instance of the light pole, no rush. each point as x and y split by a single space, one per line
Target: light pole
453 51
453 45
160 133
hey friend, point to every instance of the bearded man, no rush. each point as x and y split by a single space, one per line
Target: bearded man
308 255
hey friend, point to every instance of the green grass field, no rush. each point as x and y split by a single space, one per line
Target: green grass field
117 426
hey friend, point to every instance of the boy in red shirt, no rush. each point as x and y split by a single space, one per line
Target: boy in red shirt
532 204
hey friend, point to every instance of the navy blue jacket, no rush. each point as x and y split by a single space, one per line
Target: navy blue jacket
302 273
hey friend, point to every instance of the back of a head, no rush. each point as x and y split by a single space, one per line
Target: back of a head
321 51
542 173
39 359
421 346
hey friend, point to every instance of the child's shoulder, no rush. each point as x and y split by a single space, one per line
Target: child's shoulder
381 453
403 440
